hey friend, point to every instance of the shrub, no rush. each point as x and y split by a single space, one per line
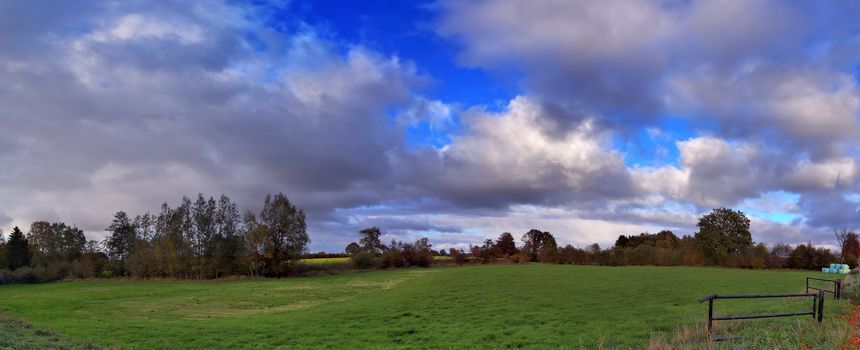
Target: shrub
422 258
458 257
515 258
6 276
363 260
852 289
25 274
392 258
47 274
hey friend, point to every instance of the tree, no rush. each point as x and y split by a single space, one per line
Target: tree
549 250
621 241
487 252
841 235
227 242
807 256
533 243
141 261
44 246
3 257
457 255
93 259
505 245
121 240
370 240
393 256
723 233
352 248
778 256
255 245
203 234
18 249
850 249
286 233
423 253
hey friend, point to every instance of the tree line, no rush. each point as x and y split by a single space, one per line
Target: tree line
723 239
207 238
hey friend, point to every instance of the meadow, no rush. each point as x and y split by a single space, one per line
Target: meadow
484 306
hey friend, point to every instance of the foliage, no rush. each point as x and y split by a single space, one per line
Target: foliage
17 249
549 250
363 260
850 249
505 245
55 243
851 290
723 234
533 243
352 248
121 239
457 255
392 257
285 231
25 274
370 240
807 256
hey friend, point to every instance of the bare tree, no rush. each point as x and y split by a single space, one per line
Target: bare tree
841 236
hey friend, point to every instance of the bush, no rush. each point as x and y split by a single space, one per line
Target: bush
392 258
852 289
363 260
25 274
6 276
458 257
422 258
47 274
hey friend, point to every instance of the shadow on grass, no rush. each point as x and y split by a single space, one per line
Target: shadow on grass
17 334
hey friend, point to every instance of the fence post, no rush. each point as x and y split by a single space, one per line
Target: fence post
710 314
814 307
820 305
839 289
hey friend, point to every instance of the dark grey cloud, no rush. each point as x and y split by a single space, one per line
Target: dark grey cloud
144 104
830 209
109 106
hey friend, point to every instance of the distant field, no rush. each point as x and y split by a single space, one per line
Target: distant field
338 261
326 261
490 306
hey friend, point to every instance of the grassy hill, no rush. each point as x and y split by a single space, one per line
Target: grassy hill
491 306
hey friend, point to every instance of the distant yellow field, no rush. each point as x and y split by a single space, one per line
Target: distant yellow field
325 261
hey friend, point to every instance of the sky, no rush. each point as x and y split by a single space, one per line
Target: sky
454 120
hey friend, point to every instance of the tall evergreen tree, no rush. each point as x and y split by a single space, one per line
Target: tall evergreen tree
18 249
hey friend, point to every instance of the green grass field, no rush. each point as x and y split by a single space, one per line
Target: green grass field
490 306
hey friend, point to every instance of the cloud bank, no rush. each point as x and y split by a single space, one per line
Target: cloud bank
121 106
